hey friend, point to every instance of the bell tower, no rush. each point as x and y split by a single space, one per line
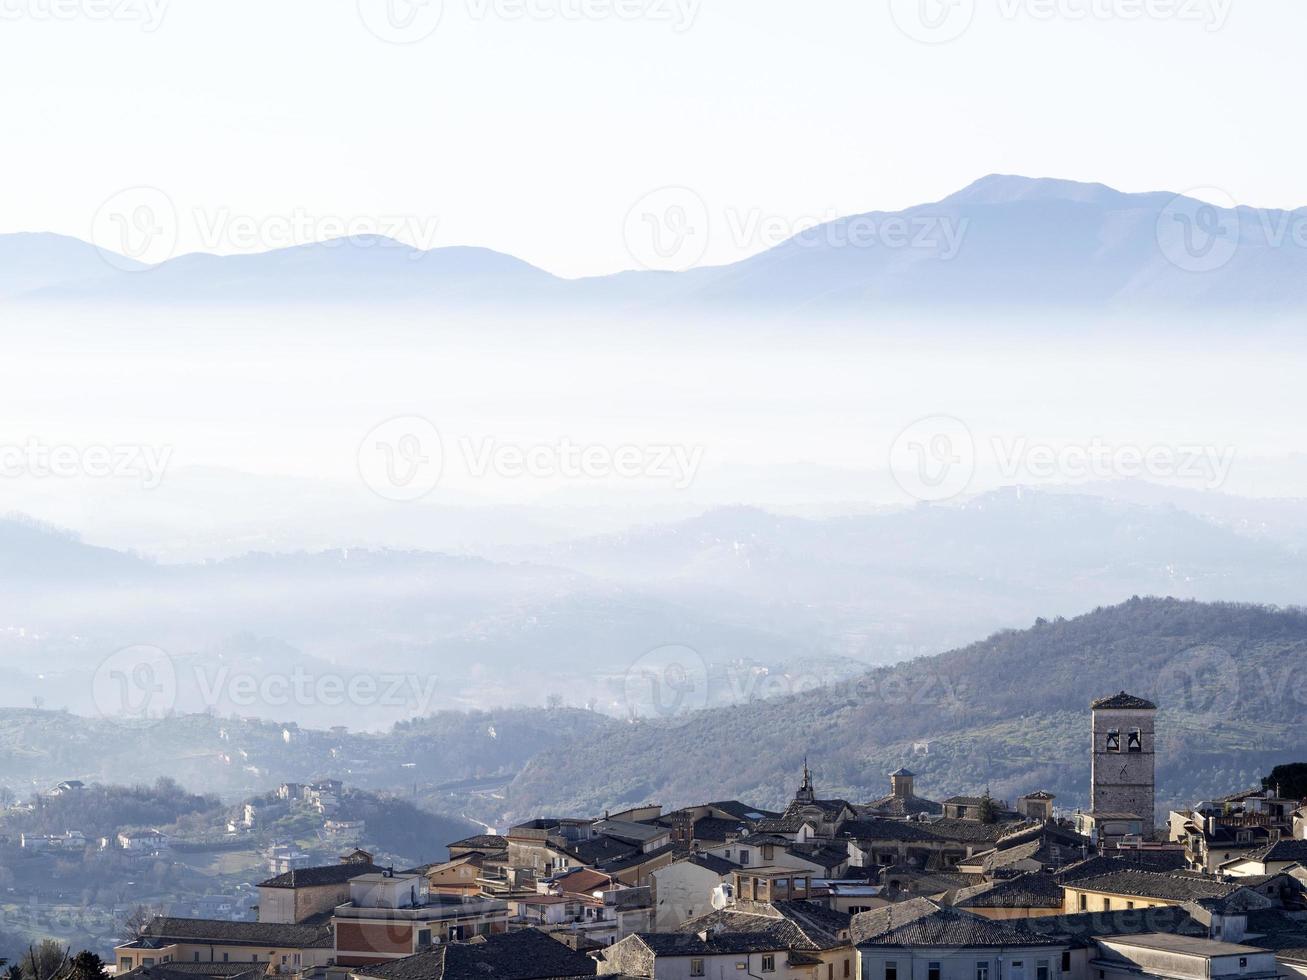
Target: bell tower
806 793
1122 778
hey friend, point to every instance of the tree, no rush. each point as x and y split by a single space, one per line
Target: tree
45 961
1291 779
14 971
988 810
134 923
87 966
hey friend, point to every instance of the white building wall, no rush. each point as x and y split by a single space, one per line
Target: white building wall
682 891
1003 964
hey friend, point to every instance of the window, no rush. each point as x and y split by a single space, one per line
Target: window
769 963
1066 961
1134 741
847 965
147 961
195 957
891 970
1243 962
744 857
1114 741
1084 903
126 962
982 970
830 971
424 939
696 968
225 957
1129 905
1041 970
932 970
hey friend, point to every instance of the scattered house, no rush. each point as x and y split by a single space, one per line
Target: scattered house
196 971
635 870
69 840
525 955
299 894
973 807
393 915
1036 893
489 845
941 843
1036 806
684 889
274 947
854 895
787 939
1036 847
68 786
1180 958
353 829
287 857
545 846
1132 888
1267 860
146 841
458 876
921 939
713 824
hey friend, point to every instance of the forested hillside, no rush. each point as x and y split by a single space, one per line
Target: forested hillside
1011 713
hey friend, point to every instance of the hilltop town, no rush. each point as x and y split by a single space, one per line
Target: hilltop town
903 887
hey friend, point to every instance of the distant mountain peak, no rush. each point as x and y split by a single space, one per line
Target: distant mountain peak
1012 188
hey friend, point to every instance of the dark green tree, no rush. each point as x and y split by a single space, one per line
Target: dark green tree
87 966
1290 779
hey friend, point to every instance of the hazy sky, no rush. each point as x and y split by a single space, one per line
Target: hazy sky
534 126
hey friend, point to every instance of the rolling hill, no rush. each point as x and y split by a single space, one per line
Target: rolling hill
1010 712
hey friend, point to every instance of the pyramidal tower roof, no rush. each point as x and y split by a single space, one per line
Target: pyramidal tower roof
1124 700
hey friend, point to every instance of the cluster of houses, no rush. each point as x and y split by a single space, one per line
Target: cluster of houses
137 842
898 888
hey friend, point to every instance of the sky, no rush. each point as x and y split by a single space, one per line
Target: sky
543 127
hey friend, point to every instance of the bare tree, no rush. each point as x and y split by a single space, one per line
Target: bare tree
45 961
134 923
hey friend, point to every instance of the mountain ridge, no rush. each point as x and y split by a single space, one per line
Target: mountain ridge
1003 242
